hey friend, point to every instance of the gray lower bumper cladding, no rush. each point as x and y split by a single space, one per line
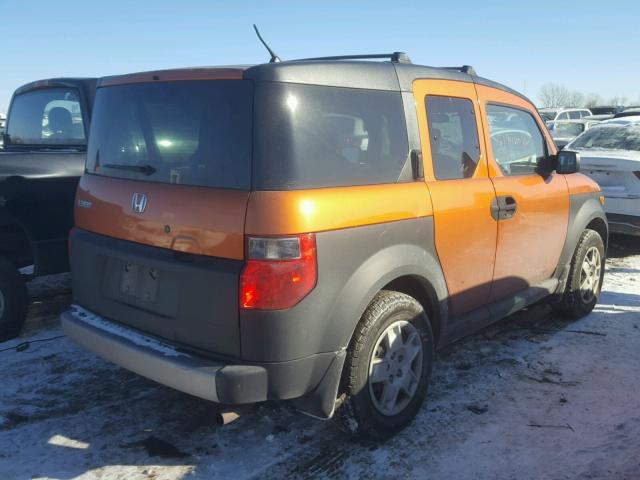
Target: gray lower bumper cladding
163 362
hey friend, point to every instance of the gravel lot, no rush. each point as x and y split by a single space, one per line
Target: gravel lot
532 397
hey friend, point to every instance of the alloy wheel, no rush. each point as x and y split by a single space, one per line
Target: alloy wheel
395 367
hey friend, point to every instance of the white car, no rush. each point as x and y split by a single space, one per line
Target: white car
610 155
3 119
563 131
551 115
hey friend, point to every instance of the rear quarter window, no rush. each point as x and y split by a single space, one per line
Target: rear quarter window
313 136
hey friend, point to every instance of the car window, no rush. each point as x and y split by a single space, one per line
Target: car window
567 130
453 134
575 115
518 145
609 137
563 116
51 116
189 133
311 136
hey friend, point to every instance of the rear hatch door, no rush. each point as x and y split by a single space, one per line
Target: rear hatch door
160 210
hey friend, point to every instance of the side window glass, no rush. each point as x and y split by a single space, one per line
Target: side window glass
575 115
563 116
453 134
517 143
51 116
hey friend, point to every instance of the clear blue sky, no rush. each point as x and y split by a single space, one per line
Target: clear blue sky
588 45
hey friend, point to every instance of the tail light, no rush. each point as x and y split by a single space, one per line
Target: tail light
280 271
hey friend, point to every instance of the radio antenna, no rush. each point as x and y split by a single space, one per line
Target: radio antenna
274 58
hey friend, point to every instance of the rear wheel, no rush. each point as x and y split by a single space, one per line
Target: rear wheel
13 300
388 366
585 277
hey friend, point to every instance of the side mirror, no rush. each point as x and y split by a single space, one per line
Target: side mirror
567 161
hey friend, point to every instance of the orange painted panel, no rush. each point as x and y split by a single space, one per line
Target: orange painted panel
579 183
465 231
465 235
198 220
315 210
530 243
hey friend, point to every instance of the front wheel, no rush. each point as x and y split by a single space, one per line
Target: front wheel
387 368
585 277
13 300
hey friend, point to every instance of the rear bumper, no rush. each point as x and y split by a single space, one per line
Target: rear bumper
197 375
162 362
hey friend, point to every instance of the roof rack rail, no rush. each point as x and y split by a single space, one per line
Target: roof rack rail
468 69
395 57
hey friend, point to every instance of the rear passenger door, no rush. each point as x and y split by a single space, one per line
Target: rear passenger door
455 169
534 208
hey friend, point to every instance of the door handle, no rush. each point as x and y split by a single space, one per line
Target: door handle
503 207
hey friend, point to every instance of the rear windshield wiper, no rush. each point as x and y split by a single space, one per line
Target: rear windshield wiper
145 169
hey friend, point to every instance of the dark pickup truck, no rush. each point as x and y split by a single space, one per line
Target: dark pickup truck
45 143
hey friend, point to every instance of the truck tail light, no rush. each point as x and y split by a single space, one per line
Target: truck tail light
279 272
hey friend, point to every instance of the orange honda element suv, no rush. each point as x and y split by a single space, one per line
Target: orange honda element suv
313 230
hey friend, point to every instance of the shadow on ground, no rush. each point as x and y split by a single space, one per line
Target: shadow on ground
623 246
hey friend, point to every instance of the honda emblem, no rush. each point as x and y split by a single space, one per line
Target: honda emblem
138 202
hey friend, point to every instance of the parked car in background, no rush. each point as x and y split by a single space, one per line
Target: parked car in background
563 131
628 112
599 118
554 114
3 119
611 110
45 144
212 250
610 154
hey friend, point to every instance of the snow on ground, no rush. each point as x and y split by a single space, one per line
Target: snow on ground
533 397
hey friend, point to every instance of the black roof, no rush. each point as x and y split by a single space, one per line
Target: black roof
362 74
351 71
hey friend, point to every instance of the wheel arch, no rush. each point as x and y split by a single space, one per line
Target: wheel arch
15 242
585 212
421 289
600 225
409 269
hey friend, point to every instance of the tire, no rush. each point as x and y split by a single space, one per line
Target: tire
581 295
364 411
13 300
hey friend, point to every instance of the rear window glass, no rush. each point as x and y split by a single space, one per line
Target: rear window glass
191 133
313 136
610 137
51 116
